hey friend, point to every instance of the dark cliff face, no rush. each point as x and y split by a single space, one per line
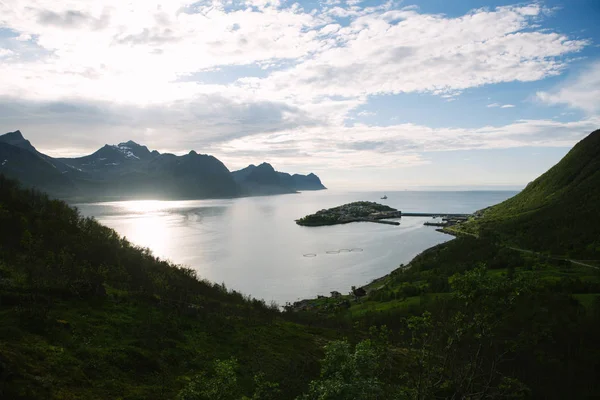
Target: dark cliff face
264 174
264 179
131 170
126 170
16 139
308 182
261 180
33 170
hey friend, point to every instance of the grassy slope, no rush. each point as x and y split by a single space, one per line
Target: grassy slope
84 314
412 289
558 212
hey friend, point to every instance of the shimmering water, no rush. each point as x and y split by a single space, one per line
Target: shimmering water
253 244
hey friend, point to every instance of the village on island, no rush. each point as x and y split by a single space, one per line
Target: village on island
367 211
352 212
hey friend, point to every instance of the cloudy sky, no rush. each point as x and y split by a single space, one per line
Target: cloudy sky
367 94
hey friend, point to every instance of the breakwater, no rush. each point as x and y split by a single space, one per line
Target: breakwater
381 221
434 215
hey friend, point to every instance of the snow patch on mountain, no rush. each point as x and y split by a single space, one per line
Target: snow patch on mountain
126 150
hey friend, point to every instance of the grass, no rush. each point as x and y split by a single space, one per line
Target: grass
588 300
129 349
410 303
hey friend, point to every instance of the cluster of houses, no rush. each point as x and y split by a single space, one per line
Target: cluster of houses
448 221
350 212
307 305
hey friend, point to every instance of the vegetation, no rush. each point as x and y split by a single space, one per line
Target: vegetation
557 213
351 212
489 315
85 314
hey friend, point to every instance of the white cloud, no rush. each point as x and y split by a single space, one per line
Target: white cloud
24 37
402 51
5 52
397 145
366 114
582 92
318 67
493 105
135 52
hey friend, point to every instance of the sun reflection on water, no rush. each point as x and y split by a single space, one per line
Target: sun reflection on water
141 206
148 223
151 231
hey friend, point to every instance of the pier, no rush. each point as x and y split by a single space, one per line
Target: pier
434 215
447 220
382 221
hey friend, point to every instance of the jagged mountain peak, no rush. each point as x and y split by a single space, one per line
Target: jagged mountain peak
132 150
266 166
264 179
16 139
130 143
14 135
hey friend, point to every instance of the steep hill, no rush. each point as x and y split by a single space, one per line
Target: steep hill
20 160
307 182
16 139
264 179
85 314
558 212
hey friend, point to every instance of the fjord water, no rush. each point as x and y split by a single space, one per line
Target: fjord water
254 246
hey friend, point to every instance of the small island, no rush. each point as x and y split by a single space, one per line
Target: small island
352 212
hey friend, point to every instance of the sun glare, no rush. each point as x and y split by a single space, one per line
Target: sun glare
141 206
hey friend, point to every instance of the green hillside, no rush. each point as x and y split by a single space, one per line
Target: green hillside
84 314
484 311
558 212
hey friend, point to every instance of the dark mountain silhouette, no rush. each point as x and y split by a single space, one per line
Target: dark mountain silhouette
307 182
33 170
16 139
263 179
131 170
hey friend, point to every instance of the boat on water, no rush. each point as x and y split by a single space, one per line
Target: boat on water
384 197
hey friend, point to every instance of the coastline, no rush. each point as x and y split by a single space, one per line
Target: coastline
374 284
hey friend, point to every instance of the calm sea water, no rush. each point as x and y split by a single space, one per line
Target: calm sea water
253 244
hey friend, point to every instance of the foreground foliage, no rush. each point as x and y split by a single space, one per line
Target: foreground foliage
85 314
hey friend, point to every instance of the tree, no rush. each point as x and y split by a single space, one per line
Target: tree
221 386
458 351
348 374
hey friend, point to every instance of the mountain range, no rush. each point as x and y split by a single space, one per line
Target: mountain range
130 170
263 179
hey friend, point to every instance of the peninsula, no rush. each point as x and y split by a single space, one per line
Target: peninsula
352 212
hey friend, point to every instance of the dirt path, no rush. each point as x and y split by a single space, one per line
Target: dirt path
554 258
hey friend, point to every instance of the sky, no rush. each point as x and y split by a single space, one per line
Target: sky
366 94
